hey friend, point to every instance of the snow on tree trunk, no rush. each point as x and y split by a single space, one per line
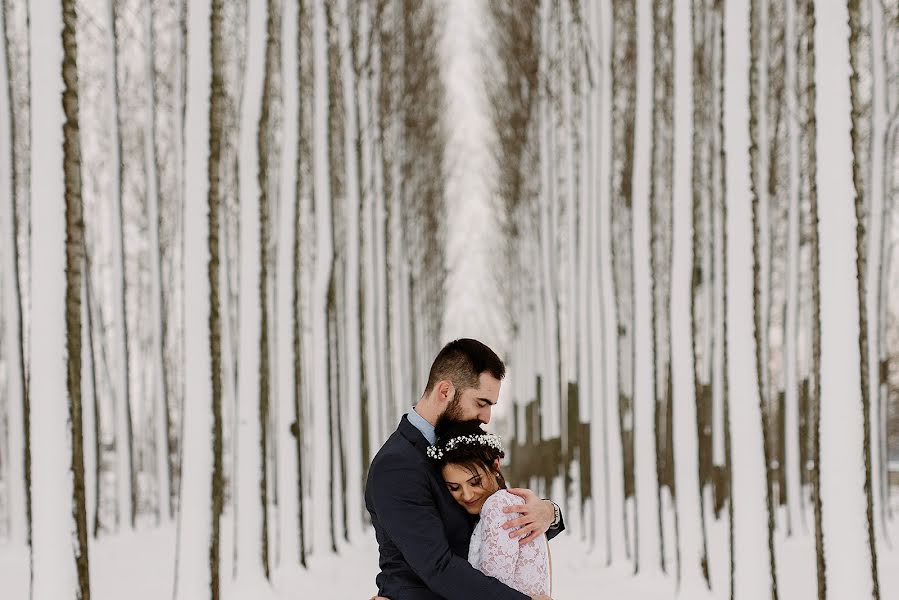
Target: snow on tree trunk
874 224
850 571
18 511
250 548
126 480
624 68
287 393
56 331
195 576
792 462
611 450
320 358
761 228
886 120
160 384
685 434
752 578
89 404
353 366
660 194
861 92
649 543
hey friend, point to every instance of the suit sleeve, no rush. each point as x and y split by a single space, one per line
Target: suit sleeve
405 506
551 533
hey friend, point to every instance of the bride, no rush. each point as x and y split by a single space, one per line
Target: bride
469 460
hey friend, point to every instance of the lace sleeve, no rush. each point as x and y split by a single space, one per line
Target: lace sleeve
524 568
499 552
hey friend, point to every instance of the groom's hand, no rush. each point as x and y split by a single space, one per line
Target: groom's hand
383 598
536 516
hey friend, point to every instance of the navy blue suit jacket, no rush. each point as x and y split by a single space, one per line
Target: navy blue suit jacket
423 534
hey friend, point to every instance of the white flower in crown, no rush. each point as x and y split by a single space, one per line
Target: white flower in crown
484 439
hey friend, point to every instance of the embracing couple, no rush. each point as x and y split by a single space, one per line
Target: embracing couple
447 527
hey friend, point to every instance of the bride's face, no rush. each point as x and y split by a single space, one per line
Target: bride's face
470 489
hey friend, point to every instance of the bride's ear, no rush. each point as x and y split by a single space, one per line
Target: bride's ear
496 466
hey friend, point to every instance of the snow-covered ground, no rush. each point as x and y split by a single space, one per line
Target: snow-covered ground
140 566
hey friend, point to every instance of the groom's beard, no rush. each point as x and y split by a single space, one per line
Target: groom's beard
453 412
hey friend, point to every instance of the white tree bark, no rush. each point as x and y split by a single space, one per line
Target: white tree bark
193 572
323 264
551 420
842 470
89 414
15 459
353 366
249 566
791 356
53 565
159 387
685 434
752 576
876 320
611 452
648 543
286 384
123 417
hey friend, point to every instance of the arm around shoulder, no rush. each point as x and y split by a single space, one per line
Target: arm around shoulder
405 504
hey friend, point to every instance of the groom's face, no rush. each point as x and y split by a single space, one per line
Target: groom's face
474 403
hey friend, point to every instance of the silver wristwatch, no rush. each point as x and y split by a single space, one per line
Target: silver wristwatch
557 516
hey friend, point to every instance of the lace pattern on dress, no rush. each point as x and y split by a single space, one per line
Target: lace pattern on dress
494 553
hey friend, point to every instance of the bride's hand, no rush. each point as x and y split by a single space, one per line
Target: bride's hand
382 598
541 598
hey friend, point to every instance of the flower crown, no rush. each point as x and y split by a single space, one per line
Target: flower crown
483 439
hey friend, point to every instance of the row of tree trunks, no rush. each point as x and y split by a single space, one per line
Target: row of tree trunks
755 276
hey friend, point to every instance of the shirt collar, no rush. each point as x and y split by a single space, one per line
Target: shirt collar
423 426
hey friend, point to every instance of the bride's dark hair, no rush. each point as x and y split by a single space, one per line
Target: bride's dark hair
469 450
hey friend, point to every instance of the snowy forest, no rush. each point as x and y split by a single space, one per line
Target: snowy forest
235 233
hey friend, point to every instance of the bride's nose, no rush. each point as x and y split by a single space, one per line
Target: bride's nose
467 494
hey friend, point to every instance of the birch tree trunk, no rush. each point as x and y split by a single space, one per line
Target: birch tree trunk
751 554
861 92
886 17
197 554
624 67
792 461
288 305
809 257
18 475
850 568
162 418
661 194
353 367
74 247
252 551
685 438
126 476
305 185
761 218
57 470
323 266
650 541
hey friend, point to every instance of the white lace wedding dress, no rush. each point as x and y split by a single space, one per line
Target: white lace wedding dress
523 568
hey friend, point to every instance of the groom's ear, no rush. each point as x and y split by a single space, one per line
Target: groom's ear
445 390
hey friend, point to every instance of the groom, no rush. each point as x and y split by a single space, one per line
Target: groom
422 533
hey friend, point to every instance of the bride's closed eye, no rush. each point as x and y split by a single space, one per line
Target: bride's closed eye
454 487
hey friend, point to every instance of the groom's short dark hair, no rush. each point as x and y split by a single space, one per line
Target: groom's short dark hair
462 361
